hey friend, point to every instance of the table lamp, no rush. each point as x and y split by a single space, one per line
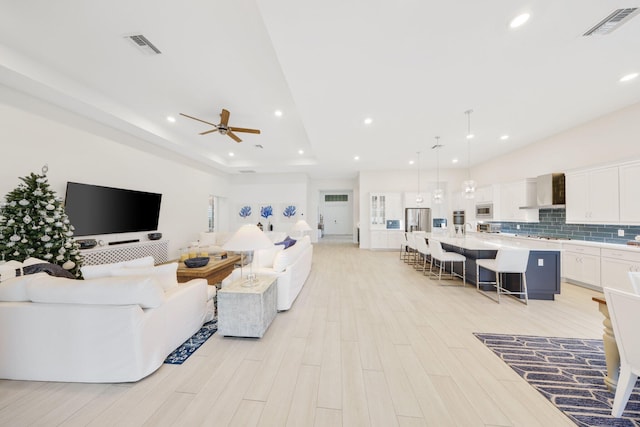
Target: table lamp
301 226
248 238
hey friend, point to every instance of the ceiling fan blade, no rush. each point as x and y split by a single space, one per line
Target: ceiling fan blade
235 129
233 136
200 120
224 117
208 131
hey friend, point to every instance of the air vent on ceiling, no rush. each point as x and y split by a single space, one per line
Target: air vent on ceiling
613 21
142 43
247 171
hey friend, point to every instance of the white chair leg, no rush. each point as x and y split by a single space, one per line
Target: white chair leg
498 285
626 382
464 274
524 288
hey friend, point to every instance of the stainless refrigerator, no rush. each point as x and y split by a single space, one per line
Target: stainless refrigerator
417 219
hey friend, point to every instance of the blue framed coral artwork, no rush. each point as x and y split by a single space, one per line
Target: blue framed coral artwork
289 212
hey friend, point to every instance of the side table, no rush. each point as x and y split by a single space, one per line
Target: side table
247 311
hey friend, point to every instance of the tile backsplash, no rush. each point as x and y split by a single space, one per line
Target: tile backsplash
552 223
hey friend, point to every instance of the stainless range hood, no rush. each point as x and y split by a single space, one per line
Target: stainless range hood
550 192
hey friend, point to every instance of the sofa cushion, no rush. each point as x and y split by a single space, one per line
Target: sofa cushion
104 270
165 273
15 290
276 236
146 291
264 257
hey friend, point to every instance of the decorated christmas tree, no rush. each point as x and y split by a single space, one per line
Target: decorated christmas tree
33 223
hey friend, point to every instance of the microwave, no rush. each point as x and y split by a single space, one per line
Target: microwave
484 211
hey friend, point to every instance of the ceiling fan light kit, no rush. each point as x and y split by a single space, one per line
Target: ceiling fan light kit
223 127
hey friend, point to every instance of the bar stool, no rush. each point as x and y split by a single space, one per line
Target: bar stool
506 261
442 256
424 252
411 244
404 247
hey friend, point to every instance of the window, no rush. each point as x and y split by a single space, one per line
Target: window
336 197
211 213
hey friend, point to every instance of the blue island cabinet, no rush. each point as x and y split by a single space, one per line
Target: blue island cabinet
543 271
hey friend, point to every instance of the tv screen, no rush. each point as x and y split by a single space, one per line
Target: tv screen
93 209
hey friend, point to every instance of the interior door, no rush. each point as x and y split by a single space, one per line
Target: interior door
337 219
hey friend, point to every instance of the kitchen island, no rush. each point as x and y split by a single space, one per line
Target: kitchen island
543 269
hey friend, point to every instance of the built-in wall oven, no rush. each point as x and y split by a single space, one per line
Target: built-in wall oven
484 211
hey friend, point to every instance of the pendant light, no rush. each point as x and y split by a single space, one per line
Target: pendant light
438 194
419 198
469 186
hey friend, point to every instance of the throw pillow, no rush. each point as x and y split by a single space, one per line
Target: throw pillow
287 242
166 274
49 268
9 270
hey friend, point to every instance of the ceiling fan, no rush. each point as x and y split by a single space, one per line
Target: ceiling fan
223 127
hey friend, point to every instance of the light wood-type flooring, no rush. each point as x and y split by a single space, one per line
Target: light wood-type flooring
368 342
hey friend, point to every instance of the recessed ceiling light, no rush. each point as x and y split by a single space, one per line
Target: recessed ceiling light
171 119
519 20
628 77
411 162
368 121
504 137
231 154
470 136
356 157
454 160
278 113
301 152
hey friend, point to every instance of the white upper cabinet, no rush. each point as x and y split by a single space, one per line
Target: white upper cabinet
484 194
593 197
384 206
630 194
514 195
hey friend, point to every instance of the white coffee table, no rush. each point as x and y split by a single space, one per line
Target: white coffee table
247 311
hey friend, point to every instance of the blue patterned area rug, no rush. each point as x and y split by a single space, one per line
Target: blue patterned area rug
187 348
569 372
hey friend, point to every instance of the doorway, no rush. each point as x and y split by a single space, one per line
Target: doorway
336 213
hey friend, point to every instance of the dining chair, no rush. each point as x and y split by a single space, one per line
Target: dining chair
624 310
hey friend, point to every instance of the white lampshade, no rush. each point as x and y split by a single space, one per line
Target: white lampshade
248 238
301 226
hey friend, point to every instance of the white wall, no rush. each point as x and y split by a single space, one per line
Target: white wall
402 182
33 133
610 138
277 190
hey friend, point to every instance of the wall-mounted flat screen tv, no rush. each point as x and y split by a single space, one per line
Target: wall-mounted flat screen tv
93 209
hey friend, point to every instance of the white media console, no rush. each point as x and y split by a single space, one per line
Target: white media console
158 249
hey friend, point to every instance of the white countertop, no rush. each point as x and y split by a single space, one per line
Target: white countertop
479 243
515 240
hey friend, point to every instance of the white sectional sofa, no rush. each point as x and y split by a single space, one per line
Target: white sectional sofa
100 330
291 266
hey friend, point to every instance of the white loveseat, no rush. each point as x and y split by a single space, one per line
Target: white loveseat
291 266
108 329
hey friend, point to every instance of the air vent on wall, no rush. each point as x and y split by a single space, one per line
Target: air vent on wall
247 171
613 21
142 43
